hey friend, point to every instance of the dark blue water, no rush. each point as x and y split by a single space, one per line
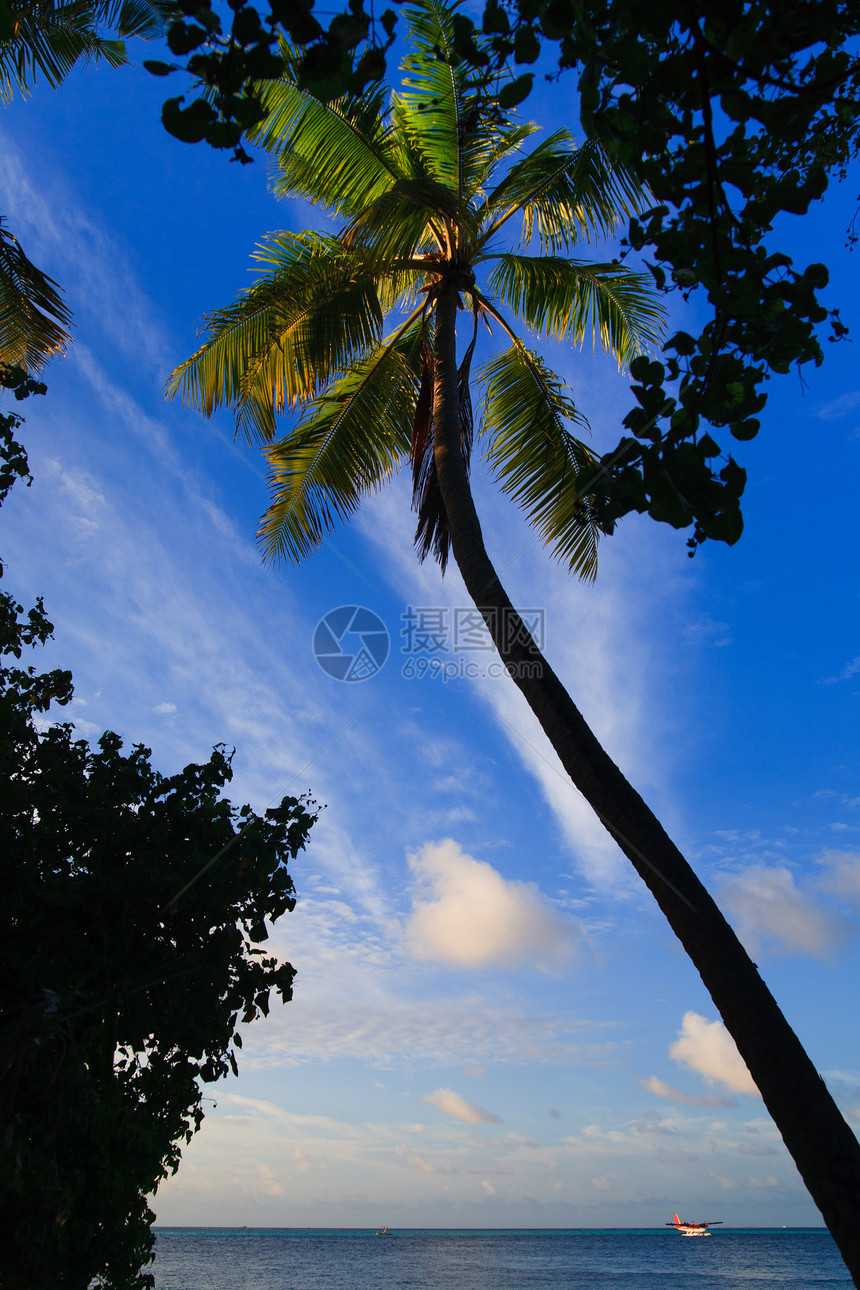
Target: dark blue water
317 1259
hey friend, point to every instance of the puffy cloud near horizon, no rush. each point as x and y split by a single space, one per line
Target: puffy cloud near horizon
707 1048
464 913
456 1107
670 1093
769 909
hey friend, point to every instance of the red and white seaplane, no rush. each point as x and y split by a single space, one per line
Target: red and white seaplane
693 1229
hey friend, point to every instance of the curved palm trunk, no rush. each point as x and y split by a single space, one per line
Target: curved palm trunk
823 1147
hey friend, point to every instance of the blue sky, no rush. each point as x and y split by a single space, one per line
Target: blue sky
493 1026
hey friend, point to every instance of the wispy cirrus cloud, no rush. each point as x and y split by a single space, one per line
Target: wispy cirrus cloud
849 670
670 1093
840 407
92 268
403 1031
417 1161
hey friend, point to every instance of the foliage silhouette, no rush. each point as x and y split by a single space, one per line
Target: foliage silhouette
133 907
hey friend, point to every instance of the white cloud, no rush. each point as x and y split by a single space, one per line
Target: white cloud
269 1184
466 914
420 1162
766 1183
456 1107
488 1187
305 1163
849 670
653 1126
708 630
770 910
672 1094
707 1048
841 875
839 407
164 709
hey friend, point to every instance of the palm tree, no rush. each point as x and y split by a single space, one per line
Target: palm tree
424 187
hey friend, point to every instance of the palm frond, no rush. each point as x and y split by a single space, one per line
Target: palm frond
564 194
409 219
352 440
448 127
143 18
535 458
559 297
337 154
50 37
282 339
34 320
491 148
429 111
400 287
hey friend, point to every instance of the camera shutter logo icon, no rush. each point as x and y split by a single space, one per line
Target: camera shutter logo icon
351 643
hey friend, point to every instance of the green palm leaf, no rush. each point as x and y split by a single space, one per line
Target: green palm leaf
442 114
491 148
562 298
50 37
564 194
285 337
34 321
337 154
429 112
143 18
535 458
355 436
412 218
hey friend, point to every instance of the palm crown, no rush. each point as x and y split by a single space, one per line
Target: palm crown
425 182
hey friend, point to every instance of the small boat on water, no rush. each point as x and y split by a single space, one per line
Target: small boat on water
383 1231
693 1229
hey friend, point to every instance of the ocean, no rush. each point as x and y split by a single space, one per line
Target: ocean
337 1259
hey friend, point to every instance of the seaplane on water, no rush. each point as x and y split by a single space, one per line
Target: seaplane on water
693 1229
